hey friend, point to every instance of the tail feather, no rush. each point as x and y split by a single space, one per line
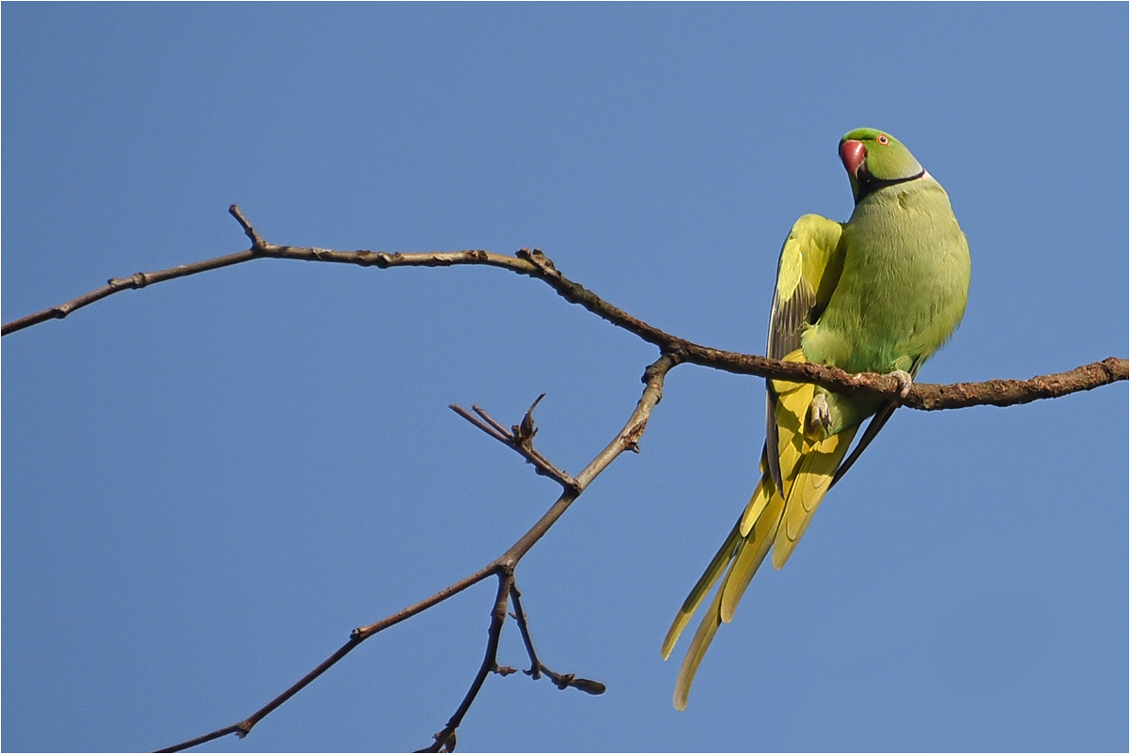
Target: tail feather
743 555
759 499
773 520
705 583
810 483
751 551
696 651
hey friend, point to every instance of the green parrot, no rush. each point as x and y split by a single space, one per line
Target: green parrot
879 293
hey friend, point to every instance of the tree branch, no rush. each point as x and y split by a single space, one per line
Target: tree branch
503 567
925 397
357 636
445 739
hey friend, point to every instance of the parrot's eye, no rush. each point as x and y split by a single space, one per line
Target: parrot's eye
883 140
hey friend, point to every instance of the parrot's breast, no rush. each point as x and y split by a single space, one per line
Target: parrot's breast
904 283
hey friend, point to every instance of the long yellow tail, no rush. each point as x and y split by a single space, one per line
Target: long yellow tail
771 521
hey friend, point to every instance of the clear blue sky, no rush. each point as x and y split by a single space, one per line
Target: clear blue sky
208 483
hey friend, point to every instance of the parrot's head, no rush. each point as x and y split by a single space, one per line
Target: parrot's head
875 159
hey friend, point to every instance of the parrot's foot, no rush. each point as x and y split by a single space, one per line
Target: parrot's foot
905 381
819 415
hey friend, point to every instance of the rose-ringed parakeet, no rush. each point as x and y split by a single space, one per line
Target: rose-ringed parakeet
879 293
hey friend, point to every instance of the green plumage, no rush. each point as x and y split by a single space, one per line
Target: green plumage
880 293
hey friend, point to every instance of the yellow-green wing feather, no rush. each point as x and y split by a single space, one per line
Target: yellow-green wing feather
750 552
806 489
809 267
695 652
812 259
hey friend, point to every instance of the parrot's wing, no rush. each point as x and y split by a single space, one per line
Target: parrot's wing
807 273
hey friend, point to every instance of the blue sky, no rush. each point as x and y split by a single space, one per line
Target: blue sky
208 483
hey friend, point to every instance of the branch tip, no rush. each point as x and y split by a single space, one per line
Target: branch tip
257 242
489 419
525 431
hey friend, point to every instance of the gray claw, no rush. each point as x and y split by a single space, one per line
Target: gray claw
905 382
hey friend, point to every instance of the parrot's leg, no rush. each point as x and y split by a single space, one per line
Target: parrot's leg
820 415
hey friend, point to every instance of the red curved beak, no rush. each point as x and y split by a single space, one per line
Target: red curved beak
853 154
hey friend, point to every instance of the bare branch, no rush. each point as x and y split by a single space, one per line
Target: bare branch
499 434
445 739
503 567
626 439
116 285
357 636
257 242
487 418
1013 392
520 437
535 264
261 249
537 667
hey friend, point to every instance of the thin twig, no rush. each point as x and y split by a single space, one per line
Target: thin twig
502 436
116 285
357 636
257 242
520 438
489 419
537 667
523 626
626 439
445 739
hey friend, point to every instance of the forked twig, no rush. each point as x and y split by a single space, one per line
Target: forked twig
537 667
488 419
445 739
520 437
498 433
502 567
